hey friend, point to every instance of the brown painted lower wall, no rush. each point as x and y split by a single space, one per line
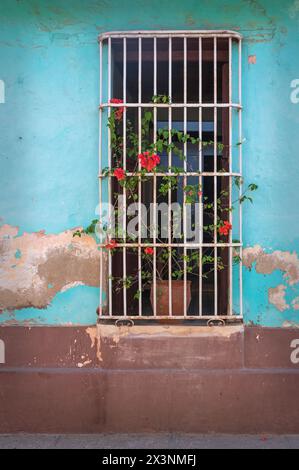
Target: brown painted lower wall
194 379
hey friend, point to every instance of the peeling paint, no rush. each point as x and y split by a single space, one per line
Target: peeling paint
267 263
290 324
295 303
95 338
44 267
250 255
71 285
277 297
115 332
85 363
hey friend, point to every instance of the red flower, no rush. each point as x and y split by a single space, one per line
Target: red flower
224 229
228 225
119 111
148 161
149 250
199 193
111 245
119 173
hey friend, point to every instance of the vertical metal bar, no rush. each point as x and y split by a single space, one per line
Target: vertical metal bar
200 165
169 166
139 179
230 303
241 172
100 170
155 187
109 178
124 209
215 182
185 177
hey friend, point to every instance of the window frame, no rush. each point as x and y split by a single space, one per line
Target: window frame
105 39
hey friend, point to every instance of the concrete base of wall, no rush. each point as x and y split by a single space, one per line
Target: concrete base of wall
158 378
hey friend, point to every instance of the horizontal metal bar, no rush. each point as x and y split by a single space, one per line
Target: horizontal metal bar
173 317
191 173
166 245
192 56
170 105
169 33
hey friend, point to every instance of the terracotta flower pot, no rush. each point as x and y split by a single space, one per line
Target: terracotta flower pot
162 292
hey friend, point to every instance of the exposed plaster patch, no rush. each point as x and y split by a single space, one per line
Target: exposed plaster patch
95 339
290 324
71 285
92 333
116 332
8 231
267 263
83 364
44 265
251 254
295 303
252 59
99 333
277 297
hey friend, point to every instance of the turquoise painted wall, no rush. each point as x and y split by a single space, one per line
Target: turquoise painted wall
49 125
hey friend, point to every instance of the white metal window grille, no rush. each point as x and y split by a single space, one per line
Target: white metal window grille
200 72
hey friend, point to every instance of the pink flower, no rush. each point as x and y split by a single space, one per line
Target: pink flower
119 111
111 245
148 161
228 225
224 229
119 173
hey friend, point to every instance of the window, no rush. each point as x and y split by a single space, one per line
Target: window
186 88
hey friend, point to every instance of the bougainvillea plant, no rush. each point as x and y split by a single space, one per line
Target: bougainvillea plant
171 178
